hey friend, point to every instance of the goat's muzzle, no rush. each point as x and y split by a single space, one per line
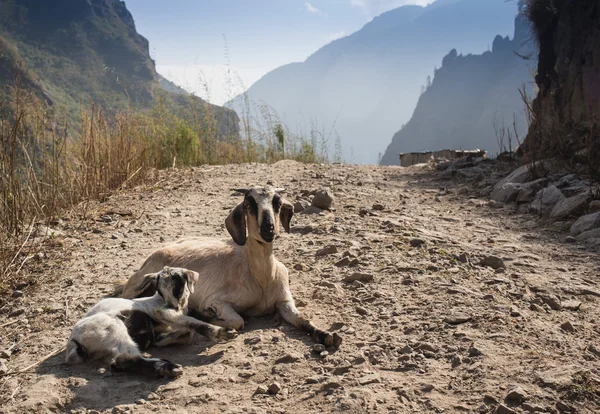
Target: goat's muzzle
267 229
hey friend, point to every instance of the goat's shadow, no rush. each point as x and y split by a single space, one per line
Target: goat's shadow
97 390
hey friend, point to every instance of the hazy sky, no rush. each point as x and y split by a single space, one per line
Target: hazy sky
194 41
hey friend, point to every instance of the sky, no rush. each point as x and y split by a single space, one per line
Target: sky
216 48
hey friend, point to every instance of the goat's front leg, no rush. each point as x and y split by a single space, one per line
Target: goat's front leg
177 320
288 312
221 314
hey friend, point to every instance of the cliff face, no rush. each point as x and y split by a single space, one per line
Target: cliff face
367 84
72 52
567 108
468 95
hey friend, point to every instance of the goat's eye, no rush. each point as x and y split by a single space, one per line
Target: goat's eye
252 205
276 202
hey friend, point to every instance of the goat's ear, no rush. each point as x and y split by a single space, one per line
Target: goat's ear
236 224
192 278
149 281
285 214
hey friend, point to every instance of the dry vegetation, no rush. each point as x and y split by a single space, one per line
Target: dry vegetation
49 166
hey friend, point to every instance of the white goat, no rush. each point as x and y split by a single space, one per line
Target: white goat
242 277
117 328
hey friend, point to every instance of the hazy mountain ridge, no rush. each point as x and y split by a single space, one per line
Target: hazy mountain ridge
76 51
468 95
369 82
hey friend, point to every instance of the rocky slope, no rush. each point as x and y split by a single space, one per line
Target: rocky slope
567 108
465 305
367 84
467 96
74 52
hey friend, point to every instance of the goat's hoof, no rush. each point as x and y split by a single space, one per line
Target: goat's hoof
166 368
334 340
225 334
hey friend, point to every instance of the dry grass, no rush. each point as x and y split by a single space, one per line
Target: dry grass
49 166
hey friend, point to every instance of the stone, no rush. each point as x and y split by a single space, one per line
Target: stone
457 318
288 358
522 174
16 312
589 235
563 407
378 207
545 200
345 261
503 409
331 385
516 395
551 300
585 223
261 389
567 327
529 190
318 348
417 242
456 360
361 277
506 193
492 261
594 206
300 206
323 199
369 379
17 294
570 207
327 250
474 351
311 210
274 388
3 367
341 370
572 305
533 408
361 311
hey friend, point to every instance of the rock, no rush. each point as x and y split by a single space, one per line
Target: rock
369 379
288 358
563 407
585 223
44 231
341 370
456 360
457 318
570 239
516 395
594 350
378 207
311 380
551 300
3 367
274 388
506 193
417 242
533 408
318 348
503 409
572 305
514 312
311 210
16 312
570 207
327 250
345 261
492 261
594 206
252 341
529 190
522 174
361 311
17 294
545 200
567 327
261 389
331 385
588 235
300 206
299 267
323 199
474 351
361 277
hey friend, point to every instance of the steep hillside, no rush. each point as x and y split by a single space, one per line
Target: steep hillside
567 109
467 96
369 82
77 51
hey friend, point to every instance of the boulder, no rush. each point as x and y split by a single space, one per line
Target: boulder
522 174
545 200
585 223
506 193
571 207
323 199
530 189
589 235
594 206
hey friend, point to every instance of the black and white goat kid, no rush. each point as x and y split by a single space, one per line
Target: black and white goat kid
118 329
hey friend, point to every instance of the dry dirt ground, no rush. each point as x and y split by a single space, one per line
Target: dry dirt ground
433 332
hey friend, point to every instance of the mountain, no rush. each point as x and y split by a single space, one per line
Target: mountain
468 95
72 52
367 84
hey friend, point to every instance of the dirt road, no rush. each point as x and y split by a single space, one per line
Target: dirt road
435 331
